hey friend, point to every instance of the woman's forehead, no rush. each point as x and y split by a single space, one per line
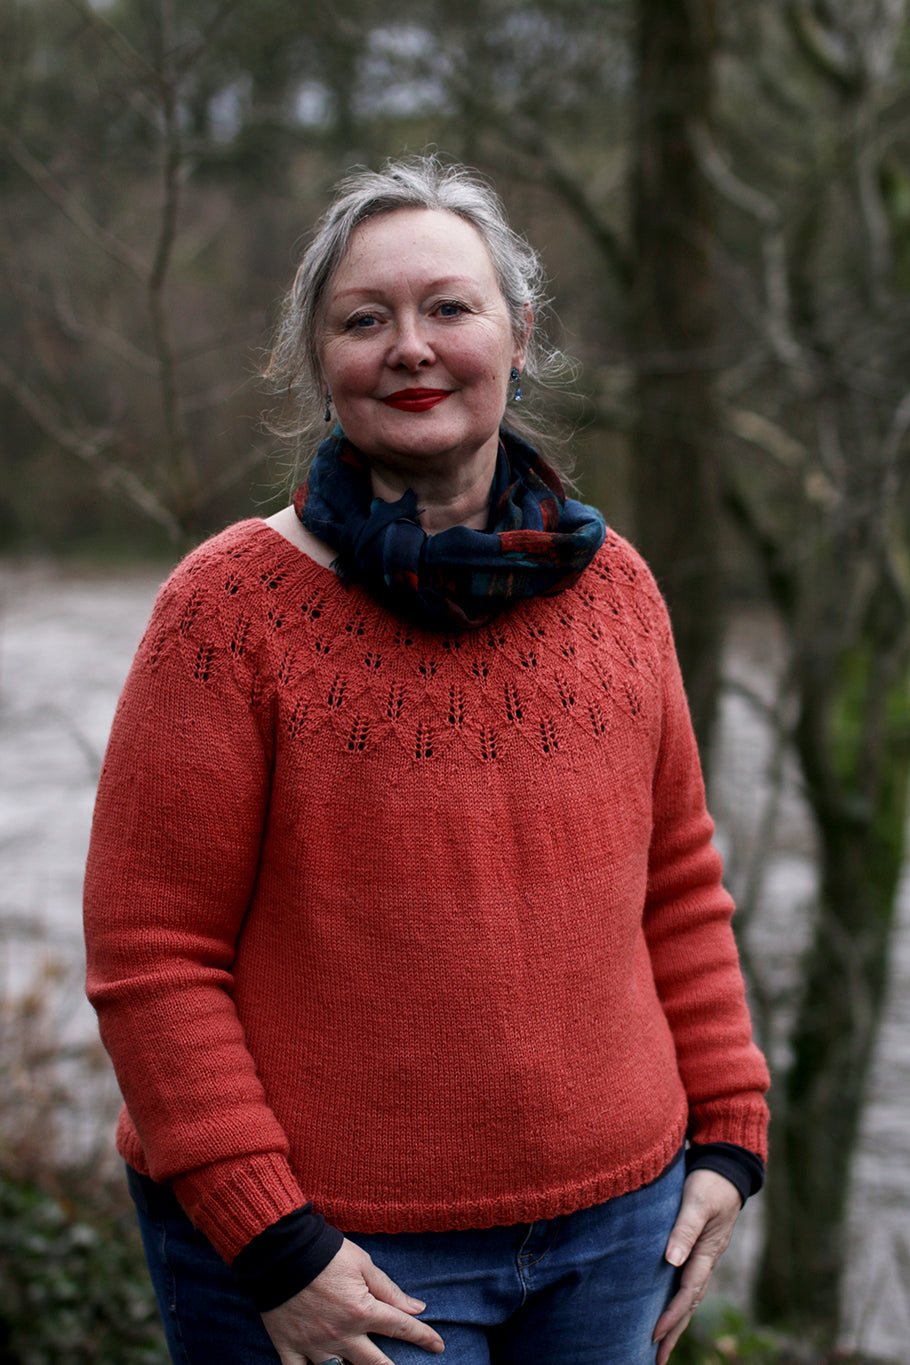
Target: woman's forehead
414 241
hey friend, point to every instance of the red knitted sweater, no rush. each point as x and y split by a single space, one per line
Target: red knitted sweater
428 929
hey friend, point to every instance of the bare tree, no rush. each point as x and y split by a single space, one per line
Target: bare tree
818 483
92 273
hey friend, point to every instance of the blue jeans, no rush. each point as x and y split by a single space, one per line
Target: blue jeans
583 1289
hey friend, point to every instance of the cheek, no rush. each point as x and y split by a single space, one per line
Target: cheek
348 374
483 368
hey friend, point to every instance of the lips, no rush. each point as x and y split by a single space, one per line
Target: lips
416 400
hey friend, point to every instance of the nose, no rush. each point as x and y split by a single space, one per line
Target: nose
410 344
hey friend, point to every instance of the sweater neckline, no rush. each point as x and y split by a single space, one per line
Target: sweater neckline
293 550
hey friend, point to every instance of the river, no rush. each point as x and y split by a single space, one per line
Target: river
66 640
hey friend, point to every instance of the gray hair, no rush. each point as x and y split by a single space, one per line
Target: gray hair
293 369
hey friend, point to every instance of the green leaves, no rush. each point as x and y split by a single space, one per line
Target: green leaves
72 1290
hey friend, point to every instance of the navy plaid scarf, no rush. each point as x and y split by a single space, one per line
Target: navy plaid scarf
536 542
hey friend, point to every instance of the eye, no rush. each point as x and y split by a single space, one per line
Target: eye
361 322
451 309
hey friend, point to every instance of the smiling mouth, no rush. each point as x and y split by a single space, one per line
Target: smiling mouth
416 400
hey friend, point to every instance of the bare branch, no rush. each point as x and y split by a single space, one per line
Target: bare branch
762 209
750 884
76 329
235 471
126 53
183 470
43 411
824 49
719 173
549 166
767 435
893 445
869 199
71 208
193 51
91 449
212 398
555 172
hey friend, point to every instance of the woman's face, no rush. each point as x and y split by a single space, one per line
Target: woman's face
417 344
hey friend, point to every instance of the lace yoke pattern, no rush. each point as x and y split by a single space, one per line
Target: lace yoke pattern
247 610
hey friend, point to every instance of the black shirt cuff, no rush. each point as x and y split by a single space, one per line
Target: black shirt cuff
286 1257
741 1167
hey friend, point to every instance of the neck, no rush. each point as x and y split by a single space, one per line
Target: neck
458 498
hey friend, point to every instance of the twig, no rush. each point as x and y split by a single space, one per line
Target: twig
126 53
766 213
91 449
234 471
71 208
183 471
193 51
573 192
767 435
76 329
213 397
823 48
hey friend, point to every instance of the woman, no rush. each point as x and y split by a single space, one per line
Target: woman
404 926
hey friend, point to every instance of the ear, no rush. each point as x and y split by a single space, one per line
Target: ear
521 344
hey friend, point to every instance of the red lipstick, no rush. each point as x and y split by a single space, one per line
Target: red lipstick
416 400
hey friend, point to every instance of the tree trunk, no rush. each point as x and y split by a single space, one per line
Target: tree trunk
673 324
852 745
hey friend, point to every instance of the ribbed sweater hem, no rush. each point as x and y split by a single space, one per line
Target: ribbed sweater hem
258 1191
505 1210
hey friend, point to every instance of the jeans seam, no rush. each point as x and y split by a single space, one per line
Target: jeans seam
531 1258
523 1260
176 1325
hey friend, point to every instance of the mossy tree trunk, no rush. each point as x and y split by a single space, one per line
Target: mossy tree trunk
830 519
852 743
845 606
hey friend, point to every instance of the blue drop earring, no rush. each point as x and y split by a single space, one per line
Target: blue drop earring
515 378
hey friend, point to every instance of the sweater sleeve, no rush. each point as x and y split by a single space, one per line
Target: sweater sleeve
693 951
171 866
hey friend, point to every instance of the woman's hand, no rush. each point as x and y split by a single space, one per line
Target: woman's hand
700 1236
334 1313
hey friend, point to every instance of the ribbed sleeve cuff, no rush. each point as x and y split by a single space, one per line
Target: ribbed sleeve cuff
741 1124
742 1168
233 1201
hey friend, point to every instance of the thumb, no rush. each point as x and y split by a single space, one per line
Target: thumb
684 1234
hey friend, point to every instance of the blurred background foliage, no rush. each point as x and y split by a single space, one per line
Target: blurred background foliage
721 194
160 163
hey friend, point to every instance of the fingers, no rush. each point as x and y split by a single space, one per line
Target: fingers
700 1235
349 1341
389 1303
392 1322
678 1314
387 1291
709 1209
338 1311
